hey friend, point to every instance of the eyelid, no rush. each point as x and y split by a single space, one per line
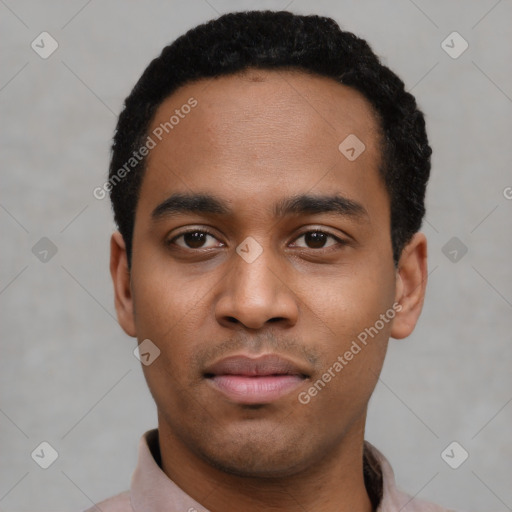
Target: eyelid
309 229
339 240
204 230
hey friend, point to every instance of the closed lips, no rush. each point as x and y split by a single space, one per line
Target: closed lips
254 367
254 381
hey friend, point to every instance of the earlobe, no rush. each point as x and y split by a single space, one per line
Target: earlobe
122 288
411 282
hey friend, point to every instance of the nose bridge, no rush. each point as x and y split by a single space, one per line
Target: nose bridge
253 291
253 274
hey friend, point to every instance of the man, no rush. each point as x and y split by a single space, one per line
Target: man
268 177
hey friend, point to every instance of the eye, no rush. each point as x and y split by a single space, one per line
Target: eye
199 238
193 239
316 239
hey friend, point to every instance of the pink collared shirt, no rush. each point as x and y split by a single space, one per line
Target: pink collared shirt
152 490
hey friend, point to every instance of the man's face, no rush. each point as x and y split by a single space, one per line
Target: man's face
253 145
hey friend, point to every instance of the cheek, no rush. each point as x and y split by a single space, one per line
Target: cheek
355 302
356 315
163 314
166 299
350 366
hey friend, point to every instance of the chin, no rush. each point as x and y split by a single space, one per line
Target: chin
254 468
258 455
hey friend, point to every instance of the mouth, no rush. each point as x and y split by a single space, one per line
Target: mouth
261 380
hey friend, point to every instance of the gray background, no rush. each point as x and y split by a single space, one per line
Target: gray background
68 375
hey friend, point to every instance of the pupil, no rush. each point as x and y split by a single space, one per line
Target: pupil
195 239
315 239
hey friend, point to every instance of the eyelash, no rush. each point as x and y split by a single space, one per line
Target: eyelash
339 241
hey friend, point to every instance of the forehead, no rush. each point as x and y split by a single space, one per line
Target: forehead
266 106
260 132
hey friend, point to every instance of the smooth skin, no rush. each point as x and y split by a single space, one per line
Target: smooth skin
255 139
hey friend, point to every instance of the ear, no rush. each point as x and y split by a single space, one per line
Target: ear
121 279
411 282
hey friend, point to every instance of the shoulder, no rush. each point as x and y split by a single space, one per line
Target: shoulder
409 503
393 499
118 503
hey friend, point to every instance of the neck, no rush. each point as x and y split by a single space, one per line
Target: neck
334 484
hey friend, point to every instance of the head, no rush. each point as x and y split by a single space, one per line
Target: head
275 210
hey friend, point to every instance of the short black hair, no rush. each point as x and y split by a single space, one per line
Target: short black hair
269 40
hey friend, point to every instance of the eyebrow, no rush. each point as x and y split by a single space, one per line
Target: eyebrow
303 204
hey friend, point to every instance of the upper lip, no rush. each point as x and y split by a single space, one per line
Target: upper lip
270 364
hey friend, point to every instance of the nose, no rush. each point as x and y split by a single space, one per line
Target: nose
257 293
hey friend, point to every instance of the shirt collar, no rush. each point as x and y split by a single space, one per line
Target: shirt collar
153 491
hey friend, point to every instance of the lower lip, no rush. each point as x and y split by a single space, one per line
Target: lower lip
255 390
